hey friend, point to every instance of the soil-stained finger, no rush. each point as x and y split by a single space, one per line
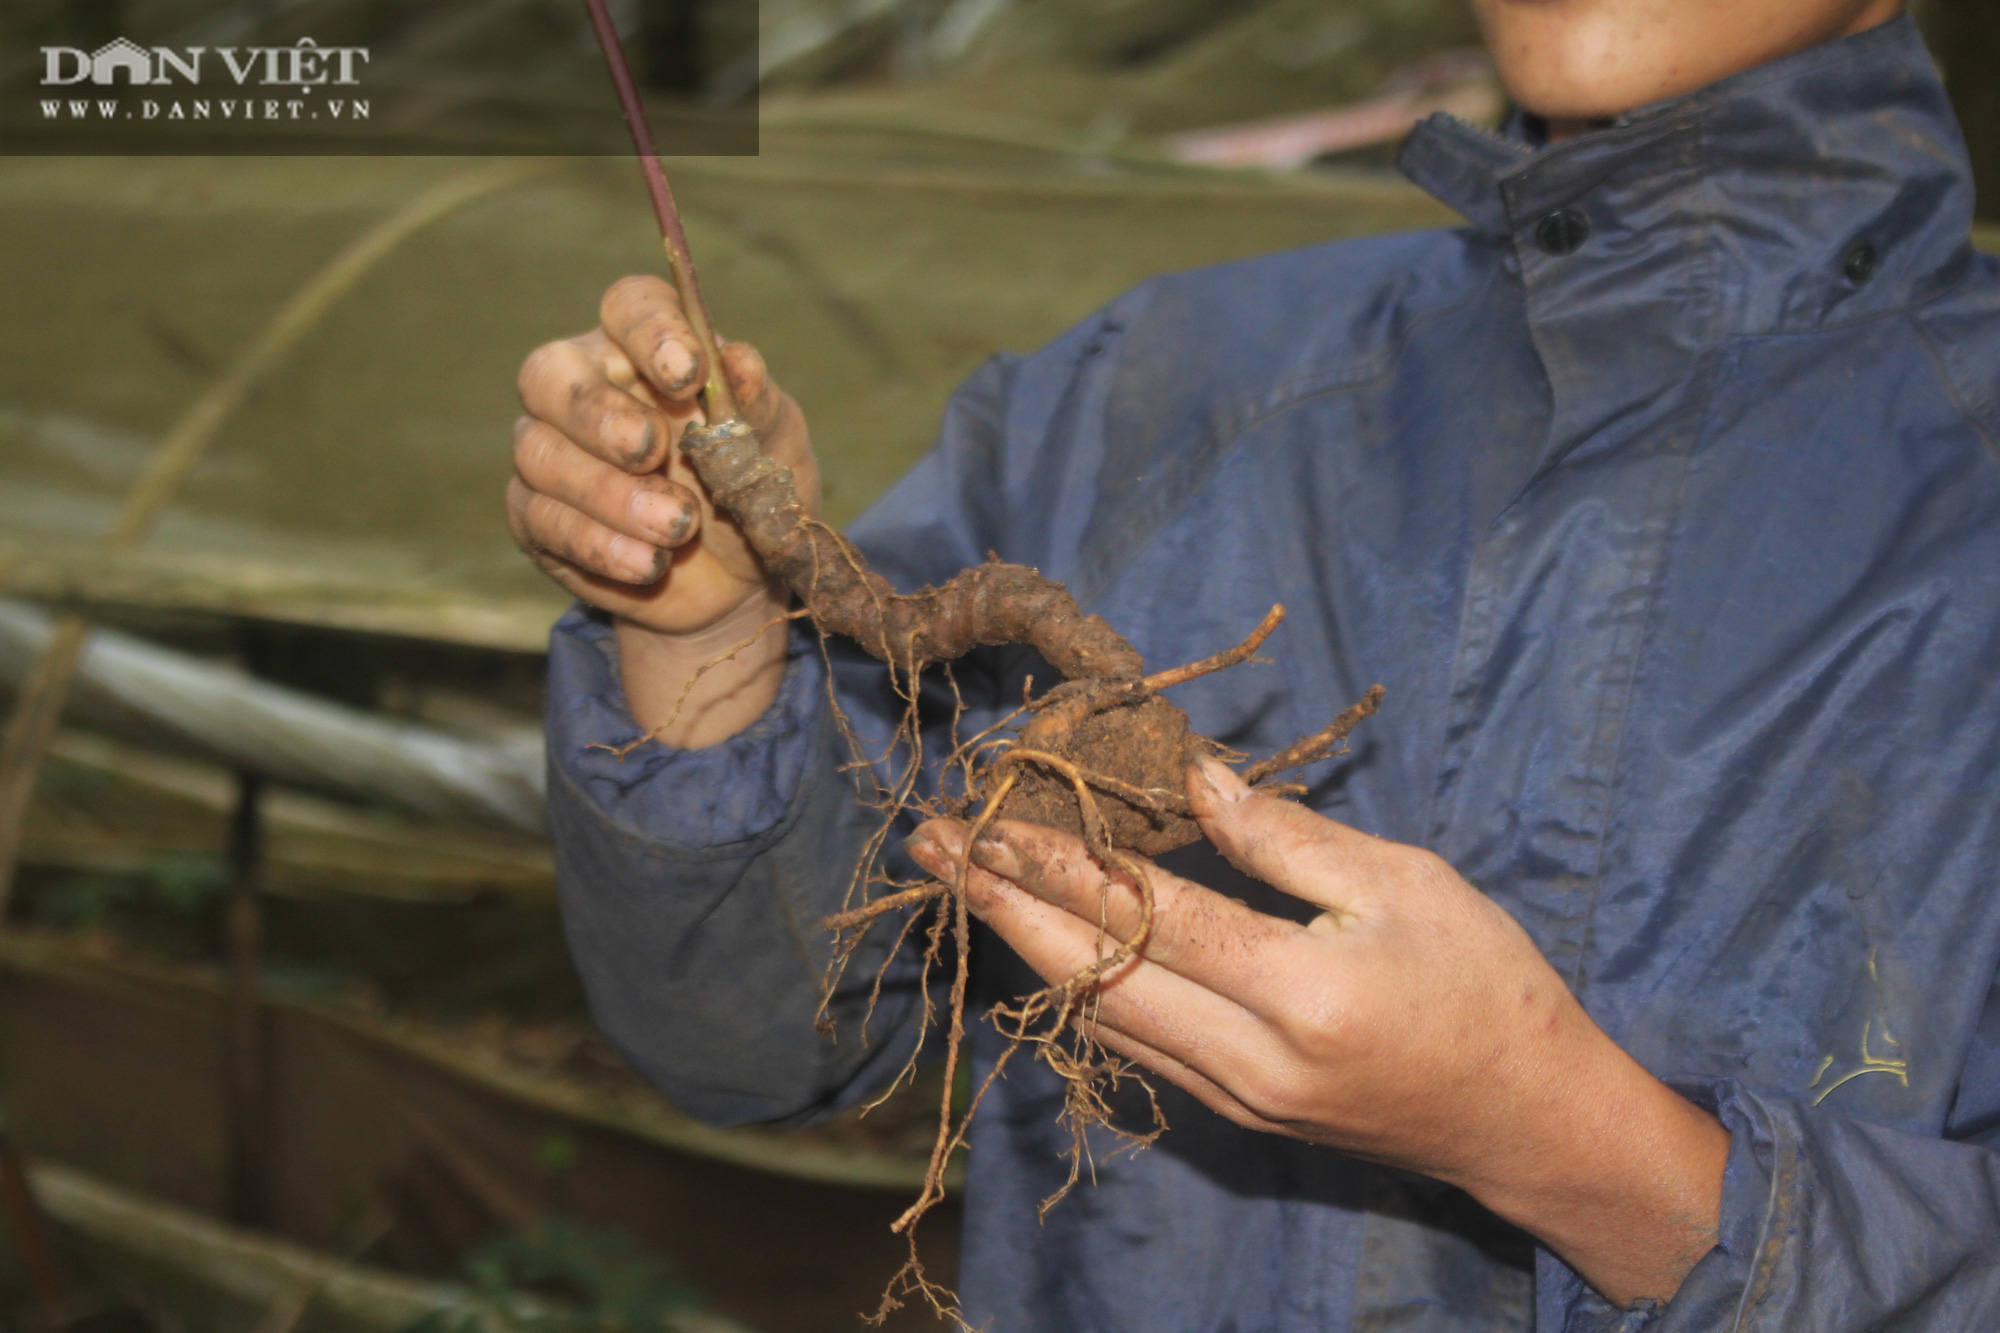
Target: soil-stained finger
633 601
562 384
1284 844
648 506
1185 1077
1200 934
750 382
642 313
1209 1032
542 523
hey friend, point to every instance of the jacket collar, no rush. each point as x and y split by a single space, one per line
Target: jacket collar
1775 179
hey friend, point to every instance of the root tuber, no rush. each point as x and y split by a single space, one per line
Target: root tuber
1102 755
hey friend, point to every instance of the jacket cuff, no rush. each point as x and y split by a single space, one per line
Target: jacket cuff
731 793
1713 1290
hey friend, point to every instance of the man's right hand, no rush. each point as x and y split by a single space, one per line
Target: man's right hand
601 498
603 501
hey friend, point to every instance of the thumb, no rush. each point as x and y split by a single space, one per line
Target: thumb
1280 842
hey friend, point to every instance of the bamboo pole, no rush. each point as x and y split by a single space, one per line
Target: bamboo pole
31 1234
39 707
243 1005
36 711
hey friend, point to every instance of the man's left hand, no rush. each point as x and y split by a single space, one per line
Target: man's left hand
1413 1022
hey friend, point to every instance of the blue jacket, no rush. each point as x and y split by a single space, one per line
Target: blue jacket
1663 499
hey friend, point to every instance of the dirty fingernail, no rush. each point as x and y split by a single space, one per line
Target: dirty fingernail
948 836
636 561
992 853
920 848
676 364
1222 780
667 517
642 453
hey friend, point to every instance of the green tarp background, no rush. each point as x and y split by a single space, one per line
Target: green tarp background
361 484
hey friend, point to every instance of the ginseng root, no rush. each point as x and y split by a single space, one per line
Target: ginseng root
1102 755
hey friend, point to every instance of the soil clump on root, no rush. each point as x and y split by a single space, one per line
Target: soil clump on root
1101 755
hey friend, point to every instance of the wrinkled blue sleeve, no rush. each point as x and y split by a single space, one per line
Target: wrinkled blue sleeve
1831 1224
694 883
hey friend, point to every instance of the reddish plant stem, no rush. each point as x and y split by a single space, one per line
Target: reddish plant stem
717 401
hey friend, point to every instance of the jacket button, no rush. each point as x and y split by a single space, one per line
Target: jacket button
1858 262
1562 232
